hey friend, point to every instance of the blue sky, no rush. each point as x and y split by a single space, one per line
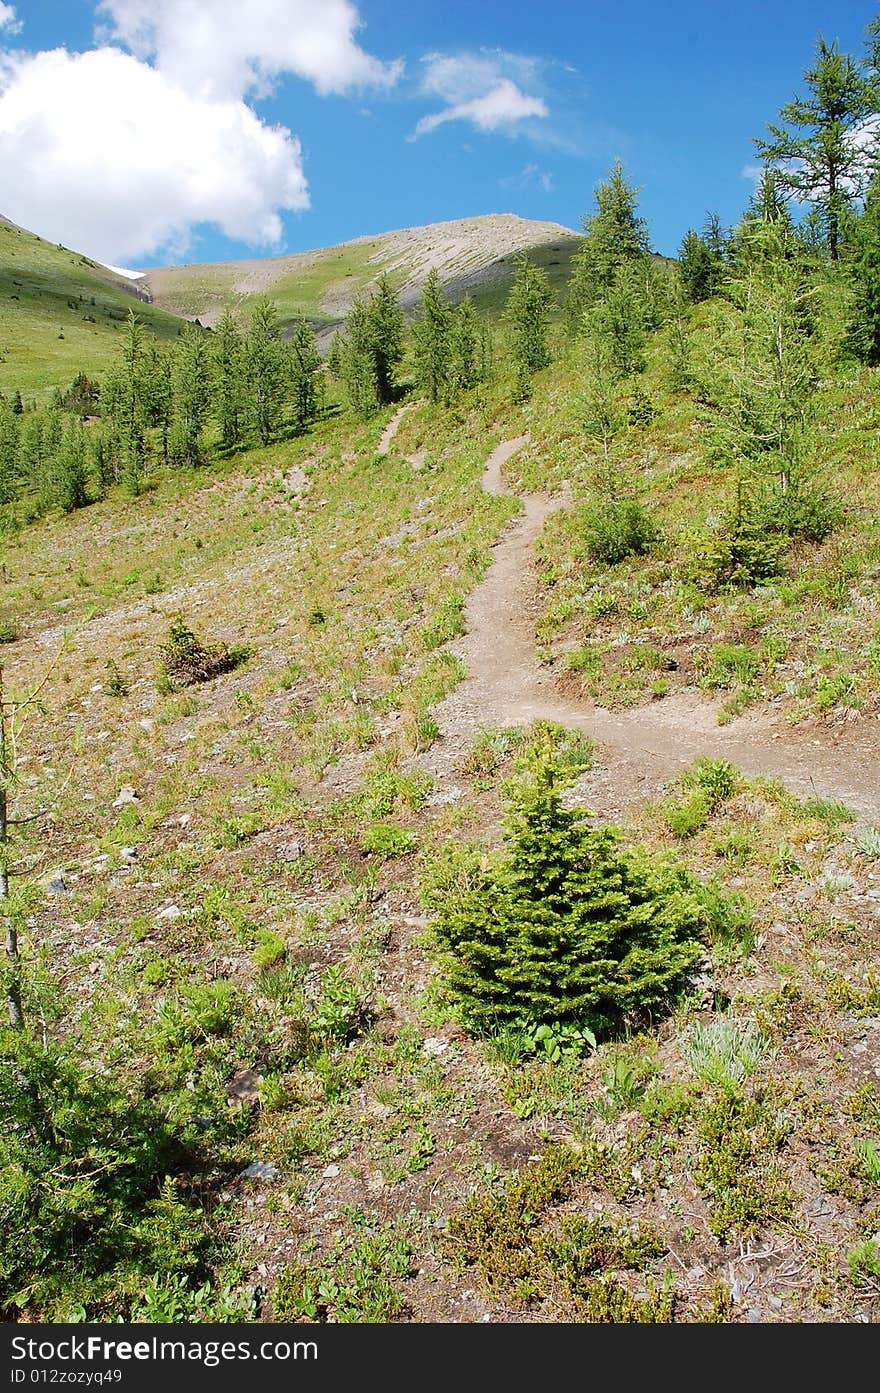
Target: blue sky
147 131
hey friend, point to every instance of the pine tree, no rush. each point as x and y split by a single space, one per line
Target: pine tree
267 371
229 380
598 408
9 432
386 327
192 395
158 392
30 449
527 313
17 404
622 316
864 266
470 347
567 926
357 363
696 267
431 341
616 236
124 404
305 366
71 468
816 154
766 378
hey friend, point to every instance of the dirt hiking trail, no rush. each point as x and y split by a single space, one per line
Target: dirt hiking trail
643 748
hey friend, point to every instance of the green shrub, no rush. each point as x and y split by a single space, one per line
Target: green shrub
685 816
736 1166
566 925
388 839
614 529
87 1212
8 631
718 779
732 556
806 512
186 660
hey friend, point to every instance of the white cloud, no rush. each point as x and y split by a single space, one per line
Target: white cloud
8 18
108 155
225 48
485 89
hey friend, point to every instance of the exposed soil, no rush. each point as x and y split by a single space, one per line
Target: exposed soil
643 747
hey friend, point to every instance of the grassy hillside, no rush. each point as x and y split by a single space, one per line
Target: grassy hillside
239 938
471 255
60 314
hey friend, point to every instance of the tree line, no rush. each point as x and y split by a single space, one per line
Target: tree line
237 387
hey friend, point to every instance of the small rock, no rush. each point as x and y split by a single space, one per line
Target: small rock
56 884
330 1172
260 1170
127 854
442 796
290 851
125 796
171 911
434 1046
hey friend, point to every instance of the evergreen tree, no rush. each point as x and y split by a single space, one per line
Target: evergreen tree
158 392
615 236
816 154
17 404
622 316
192 395
527 313
567 926
229 380
124 404
696 267
386 327
30 449
470 347
599 410
305 366
267 371
71 468
865 273
431 340
766 376
9 432
357 363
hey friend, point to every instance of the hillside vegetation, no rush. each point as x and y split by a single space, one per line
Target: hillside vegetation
329 1000
61 314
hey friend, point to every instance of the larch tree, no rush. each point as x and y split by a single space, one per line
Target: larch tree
192 395
431 341
386 328
615 235
527 313
816 150
229 371
305 366
267 369
357 362
470 347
